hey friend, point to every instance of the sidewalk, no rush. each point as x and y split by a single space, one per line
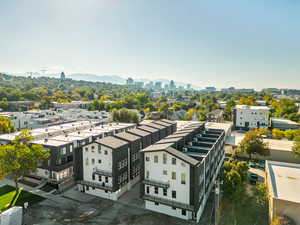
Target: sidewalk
36 191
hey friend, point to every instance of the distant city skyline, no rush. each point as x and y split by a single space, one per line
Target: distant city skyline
206 43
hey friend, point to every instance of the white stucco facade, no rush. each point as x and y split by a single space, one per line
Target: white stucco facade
176 175
251 117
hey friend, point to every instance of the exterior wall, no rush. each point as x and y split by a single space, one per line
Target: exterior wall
156 174
252 116
276 155
96 154
290 209
168 210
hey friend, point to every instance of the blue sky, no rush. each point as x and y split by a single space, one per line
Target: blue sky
254 43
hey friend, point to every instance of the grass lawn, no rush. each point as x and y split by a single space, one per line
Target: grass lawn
7 194
246 213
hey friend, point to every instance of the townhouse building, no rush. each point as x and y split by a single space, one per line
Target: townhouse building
65 145
247 117
180 172
112 165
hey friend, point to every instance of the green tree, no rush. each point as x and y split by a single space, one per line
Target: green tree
21 158
282 220
253 144
296 146
124 115
261 195
6 125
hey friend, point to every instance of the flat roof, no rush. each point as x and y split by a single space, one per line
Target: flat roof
112 142
51 142
274 144
252 107
284 121
221 126
285 180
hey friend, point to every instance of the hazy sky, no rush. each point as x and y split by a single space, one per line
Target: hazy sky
253 43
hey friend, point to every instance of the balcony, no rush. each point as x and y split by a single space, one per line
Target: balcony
95 185
102 172
157 183
169 202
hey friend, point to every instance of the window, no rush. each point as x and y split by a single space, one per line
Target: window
174 208
64 151
147 159
156 190
147 190
165 192
94 188
165 172
156 203
71 148
93 176
86 149
174 161
173 175
106 179
183 177
156 159
164 158
106 191
93 161
173 194
105 152
93 147
99 161
100 178
147 174
87 188
86 161
99 149
183 212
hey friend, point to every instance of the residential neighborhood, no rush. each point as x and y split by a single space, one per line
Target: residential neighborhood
149 112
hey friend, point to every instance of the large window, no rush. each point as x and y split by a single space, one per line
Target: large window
165 158
156 158
173 175
156 190
183 178
165 192
173 194
174 161
147 190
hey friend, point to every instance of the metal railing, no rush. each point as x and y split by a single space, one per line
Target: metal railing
95 185
157 183
102 172
169 202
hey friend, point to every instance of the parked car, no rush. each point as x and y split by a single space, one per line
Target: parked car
261 164
253 178
252 164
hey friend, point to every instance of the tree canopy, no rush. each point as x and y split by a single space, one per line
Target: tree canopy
253 144
21 158
6 125
125 115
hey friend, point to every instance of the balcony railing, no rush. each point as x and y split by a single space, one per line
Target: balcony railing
102 172
169 202
95 185
156 183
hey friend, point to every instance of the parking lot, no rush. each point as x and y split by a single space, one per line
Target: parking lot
77 208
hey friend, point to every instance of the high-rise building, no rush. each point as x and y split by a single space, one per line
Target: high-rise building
62 76
172 85
129 81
